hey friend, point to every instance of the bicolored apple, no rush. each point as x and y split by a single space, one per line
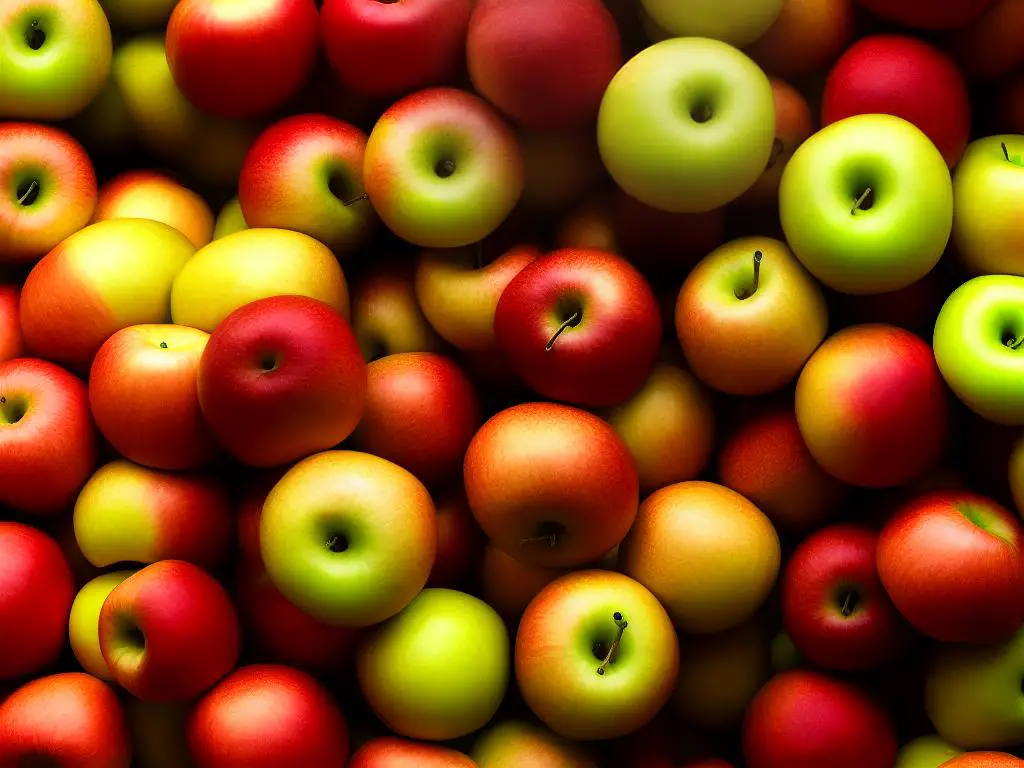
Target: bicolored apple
84 622
152 195
513 743
386 316
391 752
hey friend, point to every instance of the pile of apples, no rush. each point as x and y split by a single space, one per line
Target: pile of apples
561 384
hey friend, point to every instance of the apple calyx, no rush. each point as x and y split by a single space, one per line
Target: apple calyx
621 623
34 36
1015 159
28 193
865 200
163 345
355 200
1014 343
337 543
444 168
758 258
570 322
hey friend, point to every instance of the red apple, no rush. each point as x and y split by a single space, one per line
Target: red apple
282 378
927 15
391 752
12 344
582 326
241 60
807 719
975 596
459 542
47 440
36 591
661 239
267 716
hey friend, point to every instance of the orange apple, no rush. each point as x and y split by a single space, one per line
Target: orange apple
386 316
807 37
12 344
151 195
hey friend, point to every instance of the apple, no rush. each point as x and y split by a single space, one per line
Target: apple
52 185
903 76
265 716
581 326
143 396
459 296
866 204
460 542
591 225
551 485
392 752
442 169
106 277
12 344
369 45
47 440
674 131
282 378
348 537
985 760
806 37
84 622
744 335
871 406
255 264
67 719
36 592
794 124
439 669
513 743
987 47
128 513
229 220
806 718
731 551
508 585
596 655
973 598
560 168
55 60
926 752
151 195
138 14
737 22
386 316
168 632
923 15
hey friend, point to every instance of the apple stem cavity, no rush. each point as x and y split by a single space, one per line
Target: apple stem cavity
621 623
35 37
864 199
29 194
758 258
570 322
356 199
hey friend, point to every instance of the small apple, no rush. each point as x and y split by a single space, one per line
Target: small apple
806 37
386 316
514 743
737 22
926 752
391 752
229 220
84 622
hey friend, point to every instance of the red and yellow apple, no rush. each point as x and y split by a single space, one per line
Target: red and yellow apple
386 315
514 743
155 196
391 752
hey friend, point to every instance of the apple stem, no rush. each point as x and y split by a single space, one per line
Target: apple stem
33 187
758 256
621 623
1015 343
860 200
355 200
163 345
571 322
847 608
1006 152
550 538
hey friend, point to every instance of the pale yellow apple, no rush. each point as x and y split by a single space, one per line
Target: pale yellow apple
84 622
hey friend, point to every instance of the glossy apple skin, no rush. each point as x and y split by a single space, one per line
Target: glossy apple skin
386 316
168 632
106 277
36 591
129 513
264 716
84 622
143 394
66 192
737 22
725 540
71 718
975 597
984 760
282 378
872 407
47 439
12 344
508 586
794 124
403 155
369 44
540 470
987 47
903 76
923 15
299 174
242 61
806 37
514 743
556 667
390 752
757 344
151 195
608 354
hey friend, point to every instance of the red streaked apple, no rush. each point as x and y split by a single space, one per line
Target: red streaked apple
151 195
508 585
84 622
386 316
391 752
12 344
806 37
514 743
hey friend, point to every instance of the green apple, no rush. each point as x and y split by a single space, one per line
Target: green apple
517 743
439 669
988 185
866 204
737 22
230 220
926 752
138 14
687 125
54 57
84 622
979 346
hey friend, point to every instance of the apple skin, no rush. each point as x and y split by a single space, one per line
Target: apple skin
238 62
757 344
282 378
508 585
128 513
872 407
726 542
59 78
806 718
985 760
806 37
659 153
556 664
66 189
736 22
903 76
48 444
975 597
923 15
421 412
391 752
36 591
106 277
460 299
894 242
143 394
84 622
151 195
300 173
987 47
67 719
442 168
460 542
441 635
369 45
12 344
168 632
386 316
230 220
265 716
379 512
926 752
515 743
551 485
602 359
